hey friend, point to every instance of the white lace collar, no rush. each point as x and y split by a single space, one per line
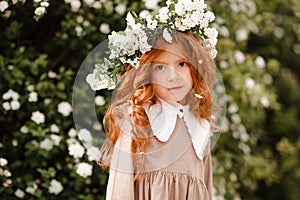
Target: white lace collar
163 119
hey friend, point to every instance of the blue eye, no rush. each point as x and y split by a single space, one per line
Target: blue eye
183 64
160 67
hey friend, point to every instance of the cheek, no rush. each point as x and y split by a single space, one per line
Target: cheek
157 78
188 77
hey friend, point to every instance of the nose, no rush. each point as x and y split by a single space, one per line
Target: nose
172 74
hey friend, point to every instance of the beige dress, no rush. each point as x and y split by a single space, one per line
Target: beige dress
173 170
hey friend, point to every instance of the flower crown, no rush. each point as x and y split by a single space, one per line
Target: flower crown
126 47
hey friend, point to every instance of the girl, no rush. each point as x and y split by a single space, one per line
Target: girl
158 127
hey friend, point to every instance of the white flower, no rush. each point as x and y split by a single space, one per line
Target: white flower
152 24
93 153
55 139
20 193
260 62
120 8
79 19
71 141
239 57
84 169
85 136
249 83
144 13
131 22
97 5
6 173
15 104
104 28
151 4
64 108
86 24
10 94
7 183
51 74
33 97
44 4
32 189
75 5
72 133
6 105
241 34
55 187
223 30
76 150
244 136
47 101
264 101
40 11
163 14
99 100
30 88
38 117
14 142
54 128
47 144
223 64
179 9
78 30
210 16
279 32
233 108
99 82
10 67
97 126
3 6
236 118
89 2
3 162
167 36
24 129
211 33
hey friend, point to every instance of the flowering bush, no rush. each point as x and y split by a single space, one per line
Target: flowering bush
47 153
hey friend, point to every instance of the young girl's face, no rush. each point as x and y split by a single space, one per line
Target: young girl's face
171 76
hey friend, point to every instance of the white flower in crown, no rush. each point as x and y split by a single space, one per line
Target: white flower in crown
151 24
167 36
126 47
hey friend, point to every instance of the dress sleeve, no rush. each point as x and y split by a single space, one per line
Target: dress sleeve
208 175
121 183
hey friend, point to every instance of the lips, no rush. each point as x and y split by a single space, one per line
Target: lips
175 88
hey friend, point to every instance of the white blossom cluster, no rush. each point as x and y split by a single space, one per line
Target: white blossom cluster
98 81
3 6
78 148
126 47
127 44
14 103
41 7
5 173
64 108
55 187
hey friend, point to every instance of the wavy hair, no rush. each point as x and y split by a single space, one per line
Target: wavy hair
135 87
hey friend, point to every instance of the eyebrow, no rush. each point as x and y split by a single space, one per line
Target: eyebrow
158 62
161 62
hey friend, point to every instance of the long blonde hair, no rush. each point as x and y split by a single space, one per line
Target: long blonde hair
135 87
